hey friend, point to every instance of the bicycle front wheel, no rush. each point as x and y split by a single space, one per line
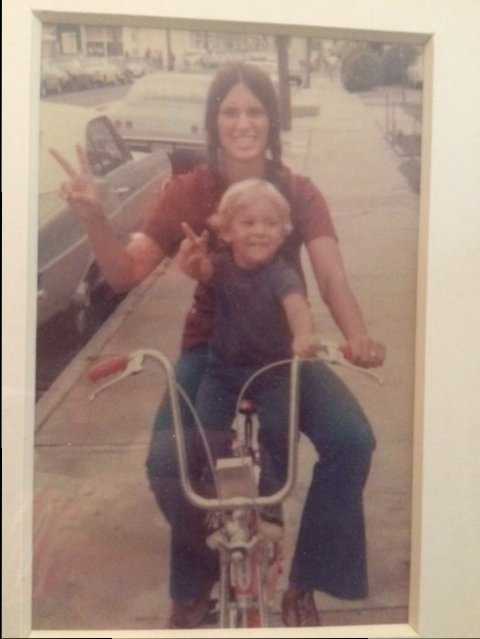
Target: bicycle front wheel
249 592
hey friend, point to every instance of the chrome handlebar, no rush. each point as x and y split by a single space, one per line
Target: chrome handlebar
133 363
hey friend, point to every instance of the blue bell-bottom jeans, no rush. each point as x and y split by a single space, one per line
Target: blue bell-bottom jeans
330 552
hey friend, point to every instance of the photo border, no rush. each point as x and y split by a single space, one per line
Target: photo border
445 542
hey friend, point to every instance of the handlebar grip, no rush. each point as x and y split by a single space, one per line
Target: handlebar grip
107 368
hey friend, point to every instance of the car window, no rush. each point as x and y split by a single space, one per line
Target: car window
105 150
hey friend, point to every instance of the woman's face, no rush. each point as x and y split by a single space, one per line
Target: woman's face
242 126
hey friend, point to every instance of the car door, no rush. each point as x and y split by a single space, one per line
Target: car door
126 186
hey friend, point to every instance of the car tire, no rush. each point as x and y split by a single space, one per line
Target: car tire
81 320
102 302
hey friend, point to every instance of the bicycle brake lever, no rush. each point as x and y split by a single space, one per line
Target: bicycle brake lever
333 355
134 365
330 353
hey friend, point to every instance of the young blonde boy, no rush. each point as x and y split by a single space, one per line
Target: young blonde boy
253 220
262 315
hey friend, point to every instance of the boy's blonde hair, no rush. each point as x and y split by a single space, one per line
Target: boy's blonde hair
242 194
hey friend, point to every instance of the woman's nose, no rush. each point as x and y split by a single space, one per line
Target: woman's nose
243 120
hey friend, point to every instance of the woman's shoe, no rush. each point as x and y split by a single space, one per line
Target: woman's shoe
298 608
189 613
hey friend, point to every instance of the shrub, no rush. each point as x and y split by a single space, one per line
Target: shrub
397 59
362 69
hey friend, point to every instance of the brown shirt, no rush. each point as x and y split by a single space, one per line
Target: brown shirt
193 197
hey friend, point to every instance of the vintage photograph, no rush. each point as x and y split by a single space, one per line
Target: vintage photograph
228 225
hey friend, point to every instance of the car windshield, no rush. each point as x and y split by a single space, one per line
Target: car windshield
159 86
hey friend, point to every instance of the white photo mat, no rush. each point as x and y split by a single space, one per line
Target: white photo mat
445 558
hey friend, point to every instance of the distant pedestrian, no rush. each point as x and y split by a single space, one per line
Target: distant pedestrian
331 65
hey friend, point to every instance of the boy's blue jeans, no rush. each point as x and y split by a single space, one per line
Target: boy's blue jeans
330 552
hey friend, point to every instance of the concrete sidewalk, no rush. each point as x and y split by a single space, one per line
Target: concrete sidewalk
100 543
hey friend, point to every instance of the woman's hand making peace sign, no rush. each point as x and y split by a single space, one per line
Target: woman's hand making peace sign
80 191
122 266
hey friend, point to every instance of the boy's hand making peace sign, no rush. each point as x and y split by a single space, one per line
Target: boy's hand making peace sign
193 254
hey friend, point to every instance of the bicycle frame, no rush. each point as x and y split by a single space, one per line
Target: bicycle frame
244 562
248 575
237 501
246 568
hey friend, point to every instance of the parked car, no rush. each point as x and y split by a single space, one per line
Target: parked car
53 79
125 75
103 72
193 59
212 60
215 59
138 67
162 107
67 272
270 65
80 76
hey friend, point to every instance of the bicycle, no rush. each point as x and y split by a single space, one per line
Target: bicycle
249 546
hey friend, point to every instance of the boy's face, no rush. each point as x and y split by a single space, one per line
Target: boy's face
255 233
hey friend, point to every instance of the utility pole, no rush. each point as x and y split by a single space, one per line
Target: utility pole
170 56
281 43
308 63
